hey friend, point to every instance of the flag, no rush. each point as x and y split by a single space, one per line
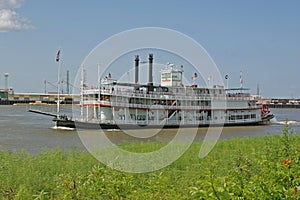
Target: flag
195 75
209 78
58 56
241 79
226 76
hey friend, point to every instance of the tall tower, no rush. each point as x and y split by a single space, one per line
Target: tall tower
6 81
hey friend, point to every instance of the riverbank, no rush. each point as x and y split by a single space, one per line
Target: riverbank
255 168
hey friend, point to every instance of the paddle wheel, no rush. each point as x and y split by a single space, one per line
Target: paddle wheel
266 114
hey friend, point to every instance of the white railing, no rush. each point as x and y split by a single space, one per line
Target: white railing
159 106
126 93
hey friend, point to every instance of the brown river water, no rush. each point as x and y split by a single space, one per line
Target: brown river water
33 133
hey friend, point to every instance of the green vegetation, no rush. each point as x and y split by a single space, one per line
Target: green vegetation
242 168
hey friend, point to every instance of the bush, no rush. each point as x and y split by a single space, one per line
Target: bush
241 168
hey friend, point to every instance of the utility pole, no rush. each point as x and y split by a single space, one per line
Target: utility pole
68 83
45 82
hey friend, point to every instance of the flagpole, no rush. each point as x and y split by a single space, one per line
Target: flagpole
209 79
241 79
227 77
227 84
99 94
58 89
99 79
58 82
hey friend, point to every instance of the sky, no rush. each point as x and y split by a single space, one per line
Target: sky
259 38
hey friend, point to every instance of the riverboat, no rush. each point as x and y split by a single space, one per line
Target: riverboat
170 104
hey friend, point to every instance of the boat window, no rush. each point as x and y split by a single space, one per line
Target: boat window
239 117
232 117
246 116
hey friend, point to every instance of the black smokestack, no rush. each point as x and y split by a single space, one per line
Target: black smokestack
137 60
150 69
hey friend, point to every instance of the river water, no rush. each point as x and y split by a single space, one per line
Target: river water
22 130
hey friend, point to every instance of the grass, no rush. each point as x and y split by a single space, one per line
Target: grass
241 168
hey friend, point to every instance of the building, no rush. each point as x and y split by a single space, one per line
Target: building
9 98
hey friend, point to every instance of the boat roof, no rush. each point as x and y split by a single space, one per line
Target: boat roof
237 89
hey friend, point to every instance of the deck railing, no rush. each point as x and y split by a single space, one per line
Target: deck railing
169 95
166 107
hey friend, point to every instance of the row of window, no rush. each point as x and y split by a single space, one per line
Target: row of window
239 117
168 102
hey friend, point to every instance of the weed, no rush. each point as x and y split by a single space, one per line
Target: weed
241 168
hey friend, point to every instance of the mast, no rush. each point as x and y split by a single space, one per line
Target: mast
82 85
99 94
58 82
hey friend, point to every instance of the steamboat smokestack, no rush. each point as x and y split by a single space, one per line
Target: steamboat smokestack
137 60
150 69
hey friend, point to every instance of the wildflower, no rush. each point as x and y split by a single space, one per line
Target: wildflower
288 162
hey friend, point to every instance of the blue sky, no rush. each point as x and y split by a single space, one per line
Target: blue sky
260 38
